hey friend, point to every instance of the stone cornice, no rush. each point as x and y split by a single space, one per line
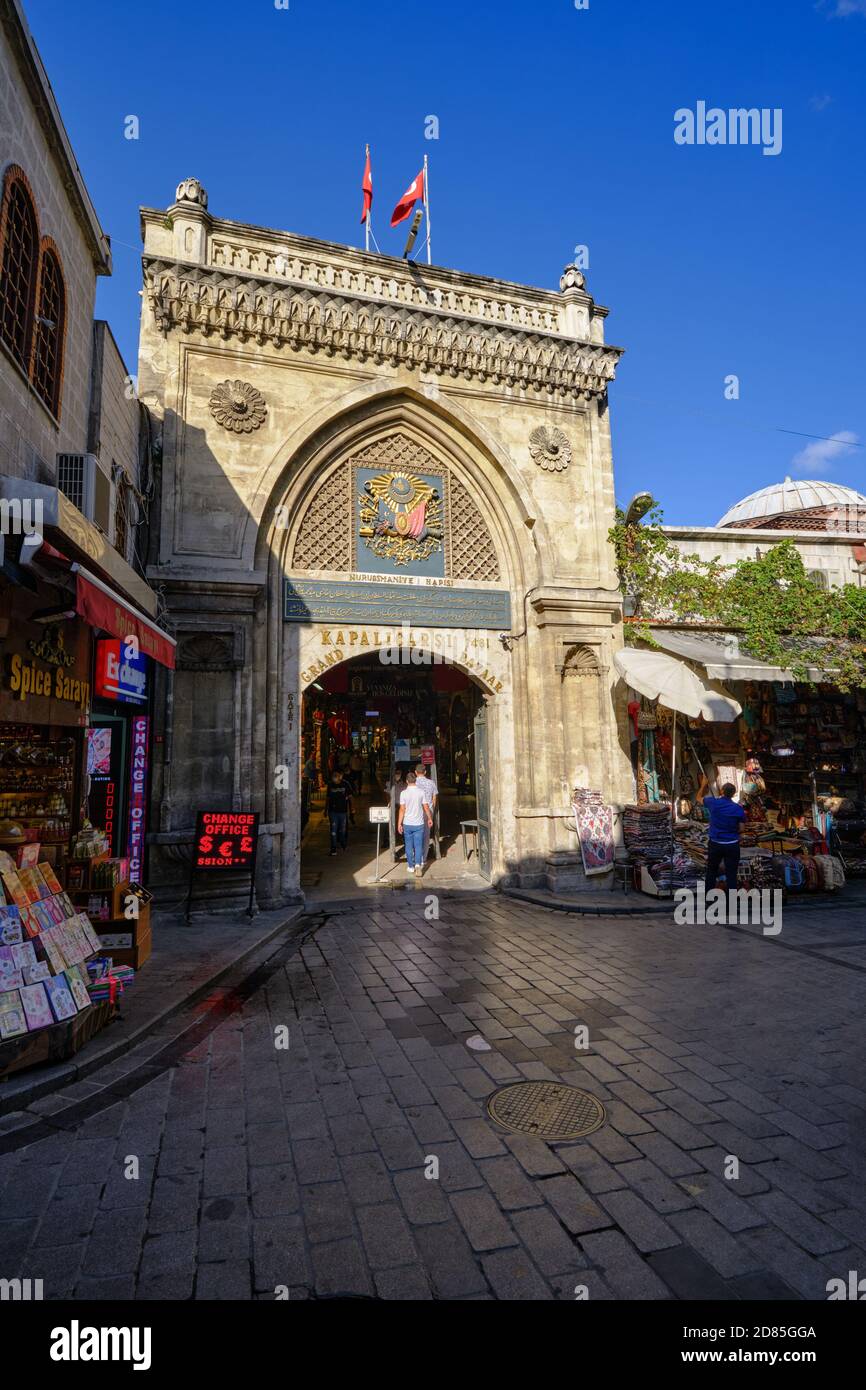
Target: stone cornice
338 320
279 255
558 605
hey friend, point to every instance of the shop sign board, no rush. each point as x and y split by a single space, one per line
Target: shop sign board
380 815
105 770
138 764
121 673
46 671
225 841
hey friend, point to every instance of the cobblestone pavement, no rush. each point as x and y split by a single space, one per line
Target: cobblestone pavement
262 1168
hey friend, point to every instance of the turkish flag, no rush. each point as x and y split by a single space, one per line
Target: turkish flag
367 187
408 201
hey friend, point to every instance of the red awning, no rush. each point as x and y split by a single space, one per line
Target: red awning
101 607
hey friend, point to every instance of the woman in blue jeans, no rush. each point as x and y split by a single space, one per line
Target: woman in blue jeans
413 815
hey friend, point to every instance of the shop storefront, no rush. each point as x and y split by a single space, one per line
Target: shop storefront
793 750
74 750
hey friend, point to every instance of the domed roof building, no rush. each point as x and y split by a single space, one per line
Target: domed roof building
797 505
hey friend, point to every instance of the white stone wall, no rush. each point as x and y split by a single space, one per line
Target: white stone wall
832 554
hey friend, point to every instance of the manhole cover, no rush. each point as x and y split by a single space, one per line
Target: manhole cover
546 1109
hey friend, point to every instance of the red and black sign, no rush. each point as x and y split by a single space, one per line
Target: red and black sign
225 840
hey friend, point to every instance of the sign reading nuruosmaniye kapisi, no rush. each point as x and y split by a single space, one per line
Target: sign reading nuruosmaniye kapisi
359 601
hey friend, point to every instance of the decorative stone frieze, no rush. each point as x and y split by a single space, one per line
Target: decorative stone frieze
256 309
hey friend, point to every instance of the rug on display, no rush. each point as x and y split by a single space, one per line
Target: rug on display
594 820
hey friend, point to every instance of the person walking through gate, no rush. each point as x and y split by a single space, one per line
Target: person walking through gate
726 818
414 814
461 771
338 807
430 792
356 767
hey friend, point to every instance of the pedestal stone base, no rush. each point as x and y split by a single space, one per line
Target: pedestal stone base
564 873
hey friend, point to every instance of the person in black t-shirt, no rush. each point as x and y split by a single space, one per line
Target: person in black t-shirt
338 807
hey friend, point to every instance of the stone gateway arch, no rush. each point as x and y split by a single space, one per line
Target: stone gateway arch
358 455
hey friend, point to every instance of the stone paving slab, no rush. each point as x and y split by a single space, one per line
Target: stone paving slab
308 1137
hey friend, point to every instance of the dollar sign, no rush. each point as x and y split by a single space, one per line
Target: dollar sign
206 844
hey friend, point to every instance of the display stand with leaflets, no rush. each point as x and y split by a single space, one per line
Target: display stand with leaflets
118 909
50 962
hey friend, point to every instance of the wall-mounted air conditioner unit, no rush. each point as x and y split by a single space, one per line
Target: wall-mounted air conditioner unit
82 479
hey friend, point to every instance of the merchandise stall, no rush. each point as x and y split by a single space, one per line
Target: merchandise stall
69 940
58 987
793 750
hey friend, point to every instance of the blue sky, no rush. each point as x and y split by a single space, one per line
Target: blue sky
556 129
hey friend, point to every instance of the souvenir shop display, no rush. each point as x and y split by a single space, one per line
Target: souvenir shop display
56 987
660 865
797 757
37 780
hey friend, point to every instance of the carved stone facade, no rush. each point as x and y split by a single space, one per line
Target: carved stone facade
367 363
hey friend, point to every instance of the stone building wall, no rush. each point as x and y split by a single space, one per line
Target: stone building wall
836 555
269 361
30 437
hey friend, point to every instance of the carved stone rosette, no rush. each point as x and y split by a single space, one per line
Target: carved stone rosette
550 448
238 406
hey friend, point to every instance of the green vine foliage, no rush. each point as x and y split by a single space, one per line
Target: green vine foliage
779 614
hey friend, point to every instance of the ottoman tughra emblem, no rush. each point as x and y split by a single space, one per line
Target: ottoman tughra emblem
238 406
550 448
400 517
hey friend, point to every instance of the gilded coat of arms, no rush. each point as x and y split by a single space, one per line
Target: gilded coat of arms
400 517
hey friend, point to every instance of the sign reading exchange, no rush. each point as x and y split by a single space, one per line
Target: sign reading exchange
343 601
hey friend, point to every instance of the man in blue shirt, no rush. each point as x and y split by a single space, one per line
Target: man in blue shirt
725 820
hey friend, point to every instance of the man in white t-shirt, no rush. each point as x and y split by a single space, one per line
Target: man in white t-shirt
430 792
413 816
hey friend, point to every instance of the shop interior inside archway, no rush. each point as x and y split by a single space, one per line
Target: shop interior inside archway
374 719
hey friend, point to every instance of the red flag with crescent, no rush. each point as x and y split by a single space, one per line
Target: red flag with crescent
409 199
367 188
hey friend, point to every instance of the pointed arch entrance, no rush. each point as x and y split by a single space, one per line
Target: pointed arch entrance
366 722
355 570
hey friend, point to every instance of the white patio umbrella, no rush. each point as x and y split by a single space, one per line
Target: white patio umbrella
661 677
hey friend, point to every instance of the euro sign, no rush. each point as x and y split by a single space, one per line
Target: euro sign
225 849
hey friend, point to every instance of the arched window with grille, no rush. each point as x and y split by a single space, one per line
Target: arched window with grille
47 369
19 251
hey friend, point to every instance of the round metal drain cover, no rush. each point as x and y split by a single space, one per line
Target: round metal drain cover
546 1109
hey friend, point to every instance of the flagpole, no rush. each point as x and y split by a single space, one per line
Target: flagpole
427 206
369 210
